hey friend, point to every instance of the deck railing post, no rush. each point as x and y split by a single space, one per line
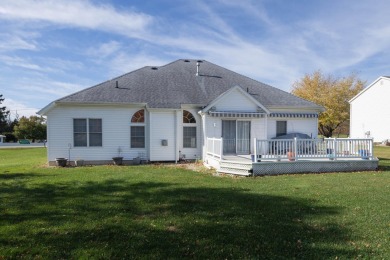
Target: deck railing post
334 148
255 150
371 148
221 149
296 148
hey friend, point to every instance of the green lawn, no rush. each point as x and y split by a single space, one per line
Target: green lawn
159 212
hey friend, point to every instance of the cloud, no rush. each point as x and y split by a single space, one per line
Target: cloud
19 109
9 42
78 13
105 49
20 62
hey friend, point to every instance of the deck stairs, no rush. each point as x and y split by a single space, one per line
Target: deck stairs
243 168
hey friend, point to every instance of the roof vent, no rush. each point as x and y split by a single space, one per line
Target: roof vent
116 84
154 68
197 68
200 61
186 61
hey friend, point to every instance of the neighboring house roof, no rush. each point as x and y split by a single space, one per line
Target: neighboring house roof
175 84
368 87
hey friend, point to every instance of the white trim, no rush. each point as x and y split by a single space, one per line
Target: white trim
368 87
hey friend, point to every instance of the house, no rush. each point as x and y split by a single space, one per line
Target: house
2 139
167 113
370 111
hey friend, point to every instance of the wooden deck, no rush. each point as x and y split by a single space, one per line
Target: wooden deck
243 165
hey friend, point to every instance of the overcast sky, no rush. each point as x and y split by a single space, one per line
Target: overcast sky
51 48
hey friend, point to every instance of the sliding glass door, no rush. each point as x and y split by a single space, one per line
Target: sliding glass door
236 136
243 137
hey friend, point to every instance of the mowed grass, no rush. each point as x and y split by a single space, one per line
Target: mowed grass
160 211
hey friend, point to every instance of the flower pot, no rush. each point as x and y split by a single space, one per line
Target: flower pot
136 161
61 162
79 163
291 156
117 160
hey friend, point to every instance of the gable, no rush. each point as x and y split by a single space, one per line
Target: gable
377 91
236 100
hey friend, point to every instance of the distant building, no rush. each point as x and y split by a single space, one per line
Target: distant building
370 111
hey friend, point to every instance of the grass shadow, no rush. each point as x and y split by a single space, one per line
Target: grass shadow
117 219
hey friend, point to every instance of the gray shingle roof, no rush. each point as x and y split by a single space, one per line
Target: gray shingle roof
176 83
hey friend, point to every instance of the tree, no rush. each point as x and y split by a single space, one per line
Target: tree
4 115
31 128
333 94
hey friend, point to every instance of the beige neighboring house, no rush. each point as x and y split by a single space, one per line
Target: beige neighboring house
370 111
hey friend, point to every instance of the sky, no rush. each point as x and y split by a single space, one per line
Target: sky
52 48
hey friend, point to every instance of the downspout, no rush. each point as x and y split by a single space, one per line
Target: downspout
266 127
176 135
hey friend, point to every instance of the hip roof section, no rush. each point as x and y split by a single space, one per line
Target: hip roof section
183 82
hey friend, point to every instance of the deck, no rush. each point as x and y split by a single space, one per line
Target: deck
320 161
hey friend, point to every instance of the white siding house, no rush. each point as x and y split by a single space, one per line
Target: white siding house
370 111
166 113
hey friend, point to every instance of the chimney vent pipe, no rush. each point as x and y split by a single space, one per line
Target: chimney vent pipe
116 84
197 68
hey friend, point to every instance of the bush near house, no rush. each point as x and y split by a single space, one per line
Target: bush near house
160 211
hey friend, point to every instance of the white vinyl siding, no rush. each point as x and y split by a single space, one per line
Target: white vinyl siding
115 132
294 125
370 112
235 101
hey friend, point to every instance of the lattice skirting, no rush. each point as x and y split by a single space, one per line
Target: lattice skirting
270 168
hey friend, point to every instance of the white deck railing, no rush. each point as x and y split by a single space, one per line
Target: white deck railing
295 149
215 147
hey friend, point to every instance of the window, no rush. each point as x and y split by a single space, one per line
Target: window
281 128
138 117
137 136
188 117
189 136
189 130
87 132
95 132
80 132
137 130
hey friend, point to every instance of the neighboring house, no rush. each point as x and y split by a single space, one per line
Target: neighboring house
2 139
370 111
166 113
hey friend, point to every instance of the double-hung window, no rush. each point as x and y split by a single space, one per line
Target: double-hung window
87 132
137 130
189 130
281 128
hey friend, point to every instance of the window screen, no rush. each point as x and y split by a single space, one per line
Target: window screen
95 132
137 136
189 137
281 128
80 132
